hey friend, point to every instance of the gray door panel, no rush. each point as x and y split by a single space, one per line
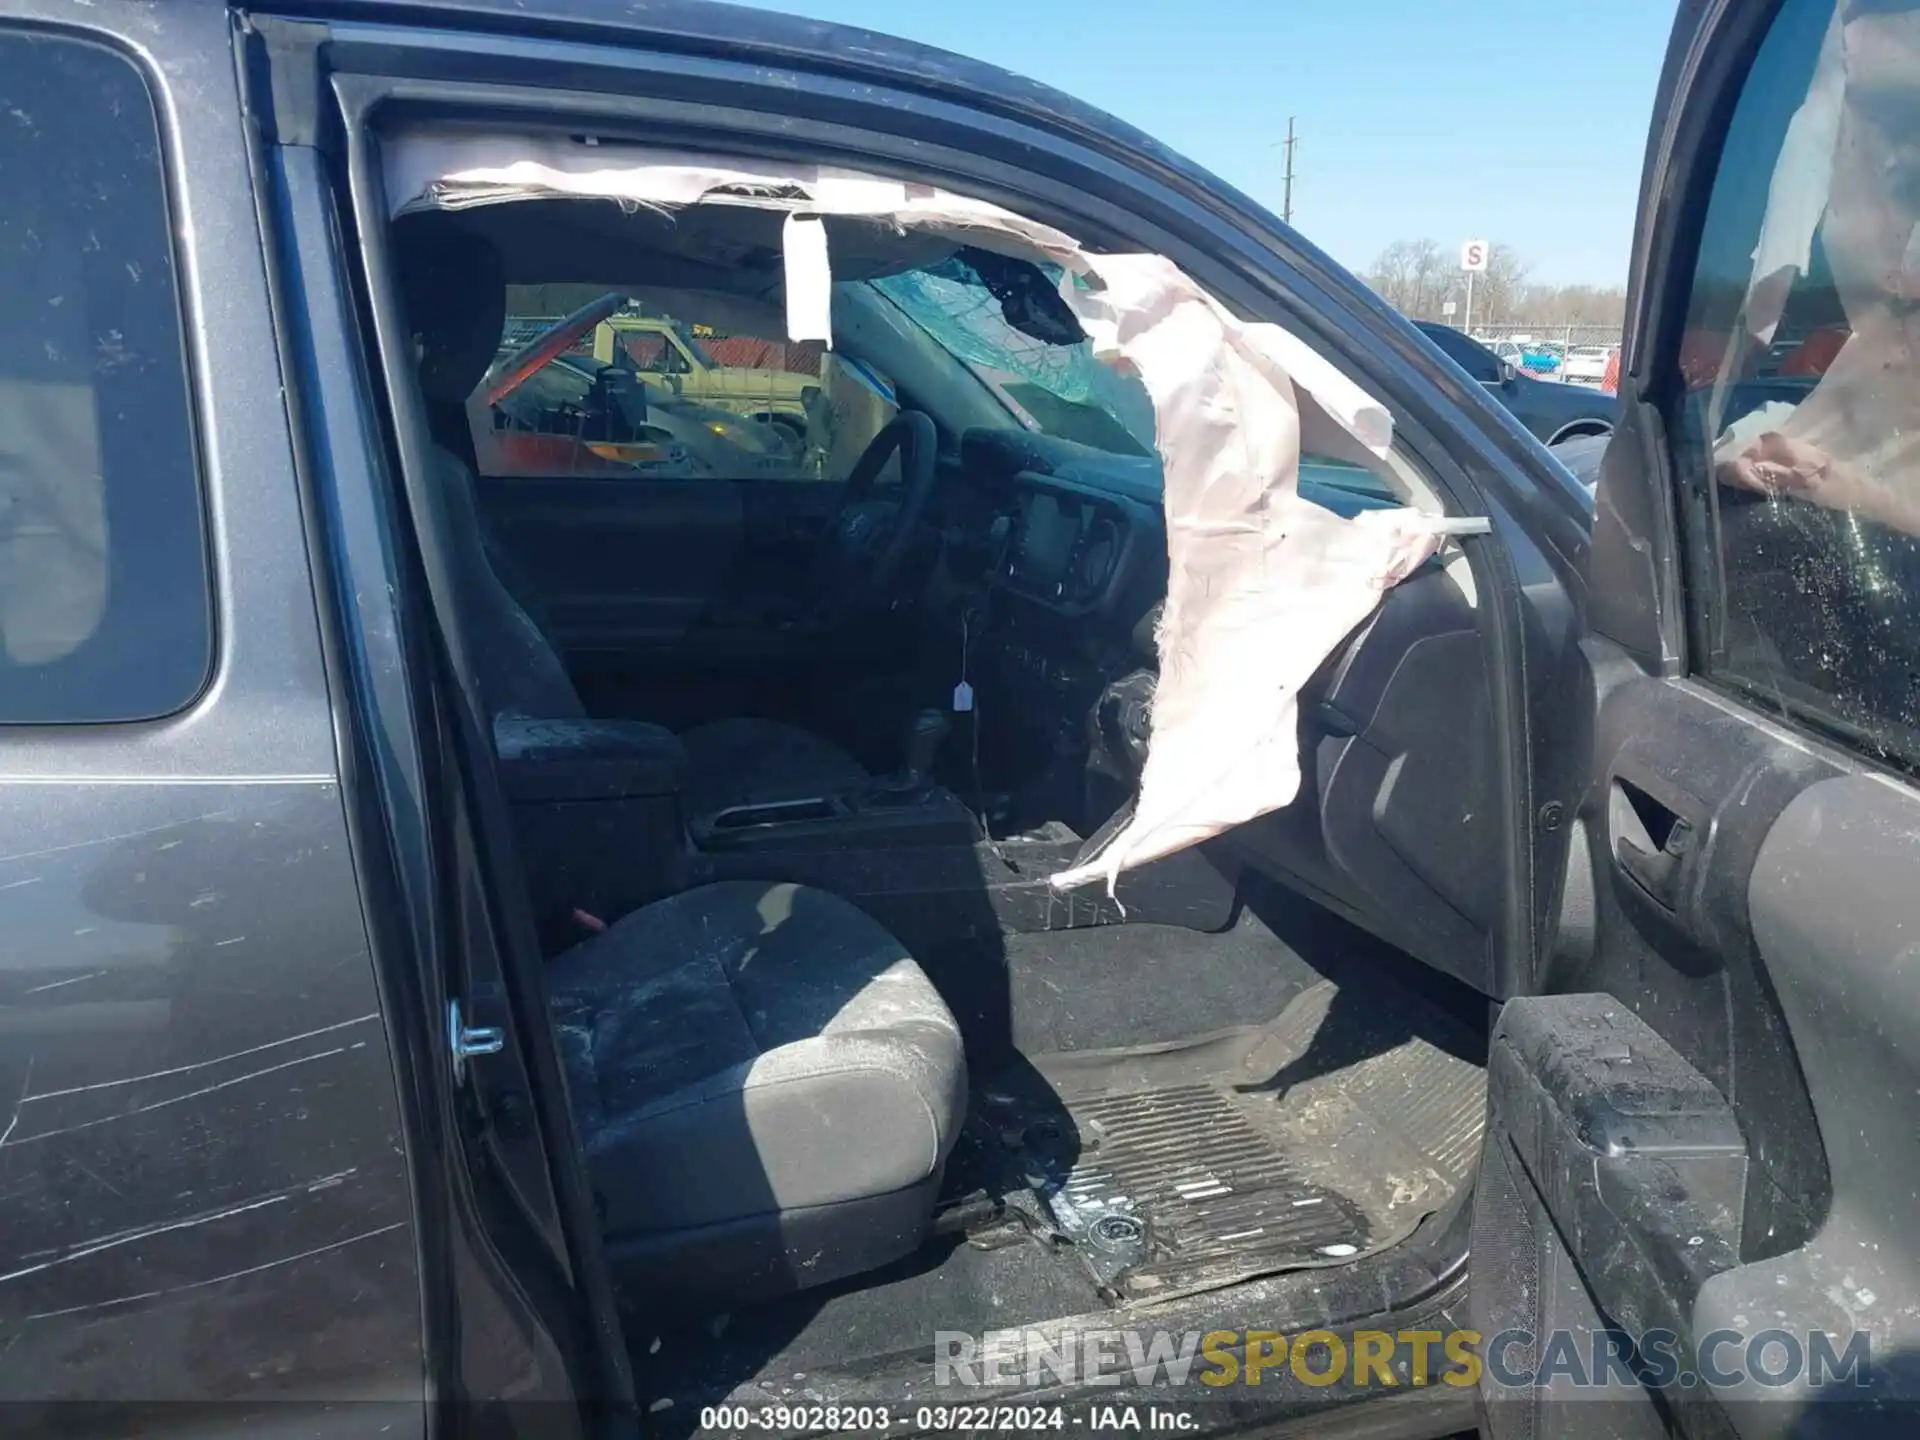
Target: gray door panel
1836 914
1685 960
1702 1116
1754 859
620 566
203 1187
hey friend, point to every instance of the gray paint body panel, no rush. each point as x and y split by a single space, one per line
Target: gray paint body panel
202 1153
204 1192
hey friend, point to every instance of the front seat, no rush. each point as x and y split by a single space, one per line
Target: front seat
767 1089
456 297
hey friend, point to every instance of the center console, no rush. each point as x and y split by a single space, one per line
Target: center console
862 818
902 809
596 805
596 812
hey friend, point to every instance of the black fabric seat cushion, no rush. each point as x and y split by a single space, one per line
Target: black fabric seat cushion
752 1048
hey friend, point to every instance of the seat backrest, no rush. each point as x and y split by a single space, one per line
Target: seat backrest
520 672
456 298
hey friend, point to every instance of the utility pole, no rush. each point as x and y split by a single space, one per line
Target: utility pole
1286 203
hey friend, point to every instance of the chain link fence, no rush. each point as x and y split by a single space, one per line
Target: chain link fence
1564 336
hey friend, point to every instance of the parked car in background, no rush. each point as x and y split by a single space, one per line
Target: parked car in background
1586 364
1582 455
1550 410
1535 359
561 420
542 405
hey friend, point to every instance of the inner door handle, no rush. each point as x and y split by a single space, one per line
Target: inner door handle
1650 841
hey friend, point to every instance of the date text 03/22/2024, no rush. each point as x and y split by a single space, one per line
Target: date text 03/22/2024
933 1419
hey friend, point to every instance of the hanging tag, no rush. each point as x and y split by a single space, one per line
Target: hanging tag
803 239
962 698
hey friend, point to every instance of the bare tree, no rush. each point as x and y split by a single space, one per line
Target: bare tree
1417 276
1500 290
1412 276
1574 305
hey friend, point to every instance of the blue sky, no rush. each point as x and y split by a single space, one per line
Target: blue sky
1521 121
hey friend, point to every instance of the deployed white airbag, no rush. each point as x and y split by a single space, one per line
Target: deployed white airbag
1262 585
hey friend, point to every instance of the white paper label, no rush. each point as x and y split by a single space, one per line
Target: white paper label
962 698
803 239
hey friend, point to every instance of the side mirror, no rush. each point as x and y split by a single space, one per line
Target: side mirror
1509 372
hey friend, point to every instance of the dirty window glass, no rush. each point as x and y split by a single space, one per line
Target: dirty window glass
1798 424
103 587
602 383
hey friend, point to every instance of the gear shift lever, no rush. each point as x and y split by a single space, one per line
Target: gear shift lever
924 736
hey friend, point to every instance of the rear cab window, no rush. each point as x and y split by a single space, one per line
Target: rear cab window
104 603
590 381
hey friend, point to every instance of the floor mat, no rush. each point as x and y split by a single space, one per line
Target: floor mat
1108 985
1175 1187
772 1353
1174 1168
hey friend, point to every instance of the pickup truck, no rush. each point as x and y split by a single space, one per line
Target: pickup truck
669 350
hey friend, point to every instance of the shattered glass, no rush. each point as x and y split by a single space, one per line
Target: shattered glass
1060 390
1801 373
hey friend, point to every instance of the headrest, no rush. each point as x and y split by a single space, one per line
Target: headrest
455 293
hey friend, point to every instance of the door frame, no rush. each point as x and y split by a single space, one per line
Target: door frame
1623 1237
1099 183
1102 185
1639 562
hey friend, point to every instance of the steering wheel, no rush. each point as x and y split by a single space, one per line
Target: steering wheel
870 539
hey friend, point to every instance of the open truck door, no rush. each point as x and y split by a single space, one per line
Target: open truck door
1695 1206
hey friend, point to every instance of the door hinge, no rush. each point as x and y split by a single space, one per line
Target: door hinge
465 1040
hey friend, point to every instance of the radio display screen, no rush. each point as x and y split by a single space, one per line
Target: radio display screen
1043 544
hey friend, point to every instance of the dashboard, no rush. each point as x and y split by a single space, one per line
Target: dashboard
1081 532
1074 532
1055 568
1063 549
1053 564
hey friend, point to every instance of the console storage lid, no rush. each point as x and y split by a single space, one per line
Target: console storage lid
586 759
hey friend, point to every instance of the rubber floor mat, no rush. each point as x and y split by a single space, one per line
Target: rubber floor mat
1174 1188
1326 1134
